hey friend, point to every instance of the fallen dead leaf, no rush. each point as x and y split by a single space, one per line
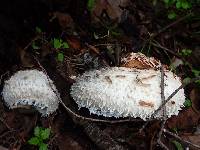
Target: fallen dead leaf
112 8
195 98
186 119
195 139
64 19
74 42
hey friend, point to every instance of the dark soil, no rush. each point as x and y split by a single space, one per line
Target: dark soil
71 21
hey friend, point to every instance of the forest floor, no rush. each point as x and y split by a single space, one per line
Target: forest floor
67 38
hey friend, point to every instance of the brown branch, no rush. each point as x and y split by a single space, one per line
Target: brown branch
162 87
174 93
182 140
153 35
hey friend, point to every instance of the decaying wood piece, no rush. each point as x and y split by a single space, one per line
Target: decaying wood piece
101 139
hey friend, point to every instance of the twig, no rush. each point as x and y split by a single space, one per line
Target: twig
164 48
2 120
162 96
168 99
170 25
160 135
162 87
174 93
77 115
179 138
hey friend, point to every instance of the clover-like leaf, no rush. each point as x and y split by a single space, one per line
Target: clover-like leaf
57 43
65 45
60 57
187 103
37 131
172 15
45 133
34 141
43 146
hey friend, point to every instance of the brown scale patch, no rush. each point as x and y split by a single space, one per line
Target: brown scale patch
146 104
140 61
108 79
120 76
173 102
149 77
136 64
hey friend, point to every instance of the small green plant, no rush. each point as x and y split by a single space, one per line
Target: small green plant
90 4
60 57
58 43
34 45
187 103
185 52
177 145
176 5
38 29
40 134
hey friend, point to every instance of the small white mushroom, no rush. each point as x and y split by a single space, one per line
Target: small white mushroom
126 92
31 87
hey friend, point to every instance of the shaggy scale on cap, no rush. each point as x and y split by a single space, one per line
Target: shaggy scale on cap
126 92
140 61
31 87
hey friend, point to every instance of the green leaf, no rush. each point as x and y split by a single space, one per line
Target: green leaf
185 5
172 15
37 131
198 82
177 145
175 130
90 4
57 43
187 103
38 30
45 133
166 1
178 4
60 57
34 46
115 33
186 80
34 141
43 146
185 52
65 45
196 72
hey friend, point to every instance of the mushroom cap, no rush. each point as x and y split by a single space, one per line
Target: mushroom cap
31 87
140 61
126 92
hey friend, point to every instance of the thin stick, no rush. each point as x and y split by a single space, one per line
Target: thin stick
179 138
174 93
170 25
162 87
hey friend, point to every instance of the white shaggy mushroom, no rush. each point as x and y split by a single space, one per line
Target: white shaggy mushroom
31 87
126 92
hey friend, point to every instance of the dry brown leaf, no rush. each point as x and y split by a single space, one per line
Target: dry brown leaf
112 7
195 139
186 119
74 43
64 19
195 98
